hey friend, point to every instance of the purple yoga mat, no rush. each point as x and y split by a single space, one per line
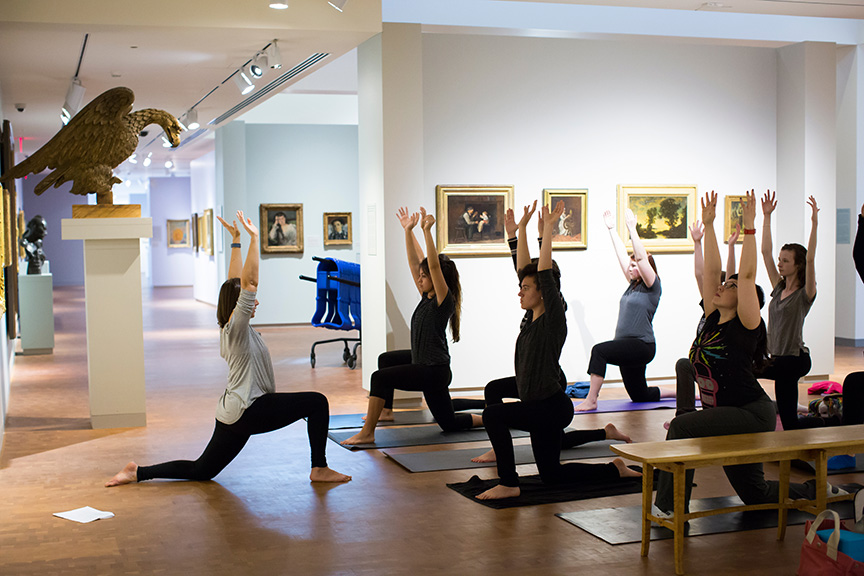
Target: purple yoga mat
625 405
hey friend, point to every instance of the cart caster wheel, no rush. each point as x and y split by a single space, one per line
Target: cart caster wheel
352 362
346 355
312 360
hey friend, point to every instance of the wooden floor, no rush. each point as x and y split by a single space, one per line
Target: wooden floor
261 515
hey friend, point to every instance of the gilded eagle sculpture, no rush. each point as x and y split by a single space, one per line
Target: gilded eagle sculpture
94 142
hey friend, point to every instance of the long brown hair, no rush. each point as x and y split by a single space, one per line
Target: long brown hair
451 277
228 296
653 267
799 256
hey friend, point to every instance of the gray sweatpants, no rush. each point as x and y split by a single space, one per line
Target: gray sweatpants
748 480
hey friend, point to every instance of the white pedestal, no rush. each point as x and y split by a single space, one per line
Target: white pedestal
36 312
115 332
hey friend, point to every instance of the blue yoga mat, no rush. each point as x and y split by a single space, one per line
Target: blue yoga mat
626 405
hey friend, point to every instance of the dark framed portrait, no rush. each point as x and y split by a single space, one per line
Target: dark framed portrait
470 219
281 228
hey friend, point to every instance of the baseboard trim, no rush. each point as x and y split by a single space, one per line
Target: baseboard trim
851 342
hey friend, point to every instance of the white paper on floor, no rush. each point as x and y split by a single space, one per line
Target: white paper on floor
84 515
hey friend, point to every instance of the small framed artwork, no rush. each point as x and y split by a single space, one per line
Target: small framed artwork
194 227
202 233
178 233
281 228
663 214
734 217
573 226
21 226
207 242
9 223
470 219
337 228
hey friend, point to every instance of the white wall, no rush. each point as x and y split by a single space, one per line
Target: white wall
203 185
552 113
170 199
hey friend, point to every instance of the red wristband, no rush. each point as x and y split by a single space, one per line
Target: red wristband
749 231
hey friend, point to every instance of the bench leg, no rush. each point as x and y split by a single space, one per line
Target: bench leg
679 484
821 481
647 492
783 511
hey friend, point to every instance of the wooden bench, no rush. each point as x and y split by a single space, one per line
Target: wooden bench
677 456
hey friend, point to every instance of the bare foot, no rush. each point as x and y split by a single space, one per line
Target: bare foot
386 415
624 471
487 457
499 493
587 405
612 433
128 475
325 474
359 438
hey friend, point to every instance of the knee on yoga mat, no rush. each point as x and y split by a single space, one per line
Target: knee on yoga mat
647 394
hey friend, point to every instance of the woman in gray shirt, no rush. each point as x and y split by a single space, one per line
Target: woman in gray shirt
250 404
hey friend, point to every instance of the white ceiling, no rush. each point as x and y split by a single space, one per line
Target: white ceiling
173 53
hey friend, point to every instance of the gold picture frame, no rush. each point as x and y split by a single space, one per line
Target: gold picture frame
178 233
470 219
663 215
733 215
9 221
207 242
281 228
337 228
573 225
21 226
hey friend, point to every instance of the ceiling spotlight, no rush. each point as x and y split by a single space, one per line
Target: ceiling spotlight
243 83
274 57
74 96
279 5
258 65
133 159
169 164
147 160
338 4
192 119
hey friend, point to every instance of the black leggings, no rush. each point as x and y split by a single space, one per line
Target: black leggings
267 413
786 371
497 390
631 355
544 419
396 372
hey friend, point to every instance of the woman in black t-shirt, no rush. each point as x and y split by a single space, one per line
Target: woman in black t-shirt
543 408
426 367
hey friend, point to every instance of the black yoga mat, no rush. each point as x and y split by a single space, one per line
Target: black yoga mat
415 436
624 525
461 459
400 418
535 492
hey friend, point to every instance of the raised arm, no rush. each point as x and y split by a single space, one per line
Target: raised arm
711 270
730 258
412 246
810 273
858 247
510 227
617 244
235 266
639 253
697 230
550 221
769 203
523 255
748 301
437 277
249 275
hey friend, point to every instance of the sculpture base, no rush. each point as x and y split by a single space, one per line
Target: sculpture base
106 211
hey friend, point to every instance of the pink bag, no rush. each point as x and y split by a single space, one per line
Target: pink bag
820 558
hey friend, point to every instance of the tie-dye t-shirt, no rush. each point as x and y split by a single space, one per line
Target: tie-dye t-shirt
722 357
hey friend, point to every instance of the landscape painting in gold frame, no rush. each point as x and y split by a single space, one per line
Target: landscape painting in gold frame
573 225
470 219
663 216
734 215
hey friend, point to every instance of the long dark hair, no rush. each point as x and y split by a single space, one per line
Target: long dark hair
228 296
451 277
760 355
799 256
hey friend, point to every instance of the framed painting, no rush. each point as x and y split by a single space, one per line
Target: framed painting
573 225
337 228
207 242
21 226
9 222
734 216
178 233
470 219
194 229
281 228
663 214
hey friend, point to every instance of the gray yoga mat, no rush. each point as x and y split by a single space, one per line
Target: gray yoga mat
624 525
415 436
461 459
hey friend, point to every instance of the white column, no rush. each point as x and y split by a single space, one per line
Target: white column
807 165
115 332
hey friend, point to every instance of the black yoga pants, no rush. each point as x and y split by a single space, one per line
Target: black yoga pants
544 419
631 355
267 413
786 371
395 372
